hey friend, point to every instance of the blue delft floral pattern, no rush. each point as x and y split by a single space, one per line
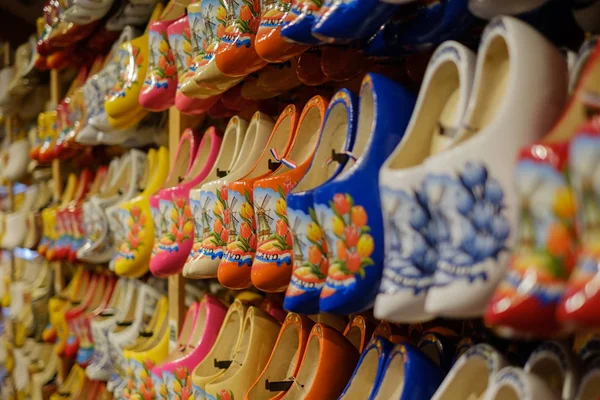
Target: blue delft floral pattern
470 222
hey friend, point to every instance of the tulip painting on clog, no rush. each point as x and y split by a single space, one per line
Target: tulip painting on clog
351 242
580 304
236 54
270 45
177 225
160 83
525 303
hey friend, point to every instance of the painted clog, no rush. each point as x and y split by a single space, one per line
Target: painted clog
410 254
327 365
369 371
426 26
236 54
305 15
472 374
284 363
419 377
134 249
177 236
311 253
512 382
554 363
239 256
270 45
349 212
272 266
184 46
359 332
467 270
212 218
160 83
207 23
344 22
209 320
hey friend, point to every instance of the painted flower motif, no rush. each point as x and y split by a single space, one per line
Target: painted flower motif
225 394
247 211
358 216
341 204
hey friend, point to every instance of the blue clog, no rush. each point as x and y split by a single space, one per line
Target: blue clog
349 209
345 21
299 29
409 375
310 246
427 26
369 371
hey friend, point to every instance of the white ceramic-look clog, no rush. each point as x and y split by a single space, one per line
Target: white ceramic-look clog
410 253
519 91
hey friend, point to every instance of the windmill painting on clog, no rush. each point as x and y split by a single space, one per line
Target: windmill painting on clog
310 263
238 258
272 266
348 207
410 252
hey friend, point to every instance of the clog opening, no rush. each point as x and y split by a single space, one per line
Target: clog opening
224 347
180 164
121 178
366 124
282 364
438 111
115 299
250 145
470 382
488 9
278 140
149 167
198 331
308 371
590 389
491 87
230 147
392 385
355 336
507 393
548 369
239 356
306 139
363 381
200 160
333 137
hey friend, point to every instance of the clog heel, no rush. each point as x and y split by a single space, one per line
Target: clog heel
284 363
348 207
259 334
369 371
327 364
466 274
134 251
311 253
160 83
238 258
177 236
225 347
272 266
209 203
410 255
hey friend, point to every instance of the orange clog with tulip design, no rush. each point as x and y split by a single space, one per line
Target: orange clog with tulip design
235 267
272 266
